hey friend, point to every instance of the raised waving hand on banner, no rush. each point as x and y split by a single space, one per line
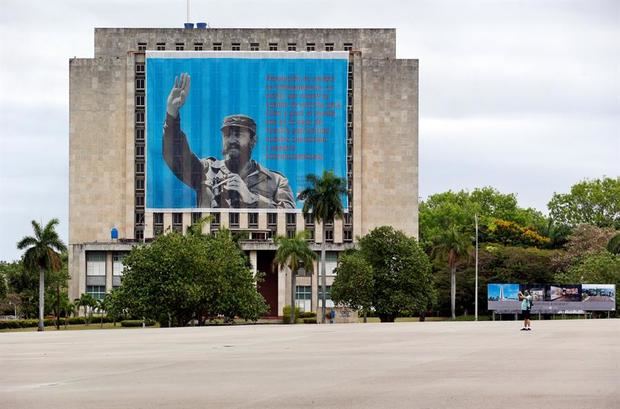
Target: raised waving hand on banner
178 94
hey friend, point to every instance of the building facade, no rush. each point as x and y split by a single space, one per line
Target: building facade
109 211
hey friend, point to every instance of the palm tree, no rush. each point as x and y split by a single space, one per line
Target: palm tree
88 302
322 199
102 306
43 254
294 253
454 245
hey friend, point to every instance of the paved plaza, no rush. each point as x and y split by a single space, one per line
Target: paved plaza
560 364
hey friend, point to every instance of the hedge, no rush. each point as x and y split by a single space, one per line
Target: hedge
137 323
307 314
50 322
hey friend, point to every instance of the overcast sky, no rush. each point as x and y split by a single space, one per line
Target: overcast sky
523 95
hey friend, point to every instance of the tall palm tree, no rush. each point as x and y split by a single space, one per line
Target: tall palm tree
322 199
43 254
294 253
454 245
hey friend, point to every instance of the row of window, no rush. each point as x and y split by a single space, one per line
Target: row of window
236 46
233 222
303 297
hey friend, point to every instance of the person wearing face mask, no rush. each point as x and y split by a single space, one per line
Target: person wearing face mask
236 181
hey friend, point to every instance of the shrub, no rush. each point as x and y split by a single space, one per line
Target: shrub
76 320
309 320
307 314
287 314
137 323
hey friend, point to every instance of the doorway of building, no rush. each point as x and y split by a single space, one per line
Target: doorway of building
269 286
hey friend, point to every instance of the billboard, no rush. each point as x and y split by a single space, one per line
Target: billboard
232 129
553 298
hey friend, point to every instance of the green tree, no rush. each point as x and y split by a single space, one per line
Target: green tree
353 286
294 253
43 254
443 210
57 283
322 199
177 278
597 268
401 273
454 246
595 202
22 286
4 288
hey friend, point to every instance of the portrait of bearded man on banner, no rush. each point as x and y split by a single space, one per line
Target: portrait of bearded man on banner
236 181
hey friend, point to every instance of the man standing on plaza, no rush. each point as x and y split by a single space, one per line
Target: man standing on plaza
236 181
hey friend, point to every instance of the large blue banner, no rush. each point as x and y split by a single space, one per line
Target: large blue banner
242 129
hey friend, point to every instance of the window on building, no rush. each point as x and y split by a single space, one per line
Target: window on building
196 216
140 151
309 219
177 218
158 218
254 46
347 235
329 234
303 297
140 183
179 46
96 291
348 46
140 68
140 200
233 219
273 46
139 134
141 46
140 168
139 233
215 219
217 46
348 219
290 232
291 219
139 217
236 46
272 219
253 220
329 46
160 46
140 83
117 263
140 100
140 117
95 263
310 46
328 296
309 234
331 262
292 47
198 46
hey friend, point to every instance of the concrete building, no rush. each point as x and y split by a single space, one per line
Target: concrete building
107 152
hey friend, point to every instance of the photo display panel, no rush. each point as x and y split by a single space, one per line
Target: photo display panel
242 129
552 298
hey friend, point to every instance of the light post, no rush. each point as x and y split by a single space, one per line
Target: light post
476 290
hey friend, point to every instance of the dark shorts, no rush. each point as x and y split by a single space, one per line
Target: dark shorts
525 314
